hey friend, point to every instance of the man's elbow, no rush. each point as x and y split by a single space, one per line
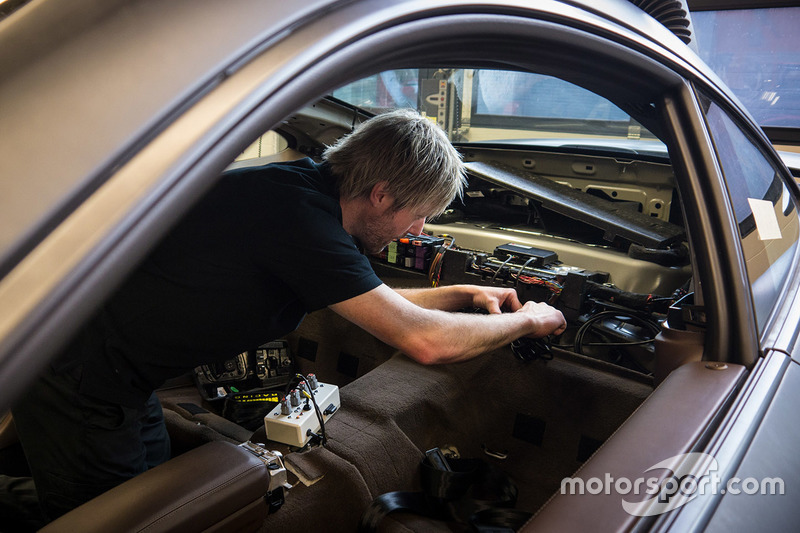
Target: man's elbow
424 353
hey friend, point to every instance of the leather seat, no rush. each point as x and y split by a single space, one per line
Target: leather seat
217 487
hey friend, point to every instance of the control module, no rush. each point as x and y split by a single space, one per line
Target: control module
302 413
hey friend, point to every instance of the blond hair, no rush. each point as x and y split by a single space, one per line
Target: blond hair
407 151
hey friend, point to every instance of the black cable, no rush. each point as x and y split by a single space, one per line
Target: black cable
317 411
610 343
586 326
625 343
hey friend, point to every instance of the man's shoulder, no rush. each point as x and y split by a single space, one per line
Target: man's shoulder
281 181
305 169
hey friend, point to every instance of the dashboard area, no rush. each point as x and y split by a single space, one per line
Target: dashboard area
598 236
627 273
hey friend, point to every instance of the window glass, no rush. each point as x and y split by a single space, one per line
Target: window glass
764 208
393 89
497 105
523 94
756 52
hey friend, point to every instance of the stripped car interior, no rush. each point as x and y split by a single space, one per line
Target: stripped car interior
595 230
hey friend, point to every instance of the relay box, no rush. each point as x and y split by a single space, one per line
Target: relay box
535 257
414 252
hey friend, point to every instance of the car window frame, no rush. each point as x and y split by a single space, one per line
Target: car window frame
758 142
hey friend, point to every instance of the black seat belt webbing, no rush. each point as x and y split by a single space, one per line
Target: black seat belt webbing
467 491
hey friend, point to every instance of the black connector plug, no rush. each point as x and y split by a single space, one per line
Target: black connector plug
316 438
526 349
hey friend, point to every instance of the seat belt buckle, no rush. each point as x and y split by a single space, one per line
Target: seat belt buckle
438 460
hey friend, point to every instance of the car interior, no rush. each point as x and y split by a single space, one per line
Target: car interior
578 208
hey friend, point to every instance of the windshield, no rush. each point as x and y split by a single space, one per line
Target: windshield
475 105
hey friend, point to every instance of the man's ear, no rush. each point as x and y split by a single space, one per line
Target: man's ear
380 197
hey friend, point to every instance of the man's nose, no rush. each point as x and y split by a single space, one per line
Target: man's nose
416 227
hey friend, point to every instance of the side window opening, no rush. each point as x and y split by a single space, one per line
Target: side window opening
765 210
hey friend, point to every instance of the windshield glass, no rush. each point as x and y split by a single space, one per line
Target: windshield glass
495 105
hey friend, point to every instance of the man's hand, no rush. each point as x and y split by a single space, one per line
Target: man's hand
496 299
548 320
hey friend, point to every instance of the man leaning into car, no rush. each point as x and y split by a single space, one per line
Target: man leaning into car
266 246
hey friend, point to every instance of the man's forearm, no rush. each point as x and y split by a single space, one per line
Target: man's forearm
448 298
456 297
452 337
430 334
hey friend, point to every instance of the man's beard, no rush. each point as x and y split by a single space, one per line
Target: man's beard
377 234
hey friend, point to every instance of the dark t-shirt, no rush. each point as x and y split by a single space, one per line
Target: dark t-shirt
262 249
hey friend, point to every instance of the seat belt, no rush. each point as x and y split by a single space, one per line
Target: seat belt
466 491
